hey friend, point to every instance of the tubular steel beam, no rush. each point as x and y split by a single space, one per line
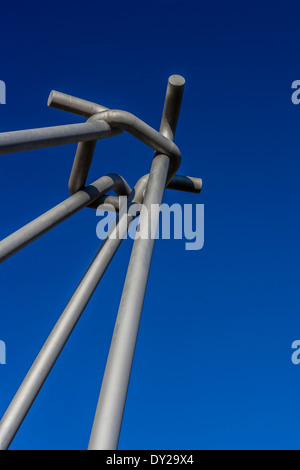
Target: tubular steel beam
102 122
135 126
122 120
91 196
109 413
74 105
50 219
42 366
19 141
187 184
39 371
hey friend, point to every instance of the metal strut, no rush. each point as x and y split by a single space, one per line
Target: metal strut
149 190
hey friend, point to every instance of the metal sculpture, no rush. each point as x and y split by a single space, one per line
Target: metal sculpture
148 191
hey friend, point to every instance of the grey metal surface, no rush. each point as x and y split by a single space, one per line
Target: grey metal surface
50 219
121 120
91 196
30 139
187 184
172 106
40 369
102 122
110 408
74 105
156 140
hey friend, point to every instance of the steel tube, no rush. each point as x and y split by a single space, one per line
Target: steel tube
187 184
118 119
39 371
50 219
145 133
81 165
85 150
110 407
150 189
172 106
91 196
19 141
74 105
122 120
128 121
109 413
140 130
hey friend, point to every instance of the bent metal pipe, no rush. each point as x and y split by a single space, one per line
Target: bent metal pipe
102 122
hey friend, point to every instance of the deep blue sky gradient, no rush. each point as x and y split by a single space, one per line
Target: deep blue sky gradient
213 366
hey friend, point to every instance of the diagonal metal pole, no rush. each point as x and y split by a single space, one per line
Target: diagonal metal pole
89 196
19 141
50 219
58 337
109 413
42 366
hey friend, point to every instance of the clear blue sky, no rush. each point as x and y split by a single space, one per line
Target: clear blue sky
213 366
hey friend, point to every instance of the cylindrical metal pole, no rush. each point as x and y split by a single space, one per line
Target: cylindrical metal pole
19 141
188 184
50 219
74 105
39 371
109 413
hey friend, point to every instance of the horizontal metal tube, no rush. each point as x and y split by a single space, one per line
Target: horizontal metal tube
19 141
135 126
143 132
74 105
187 184
125 120
50 219
106 203
161 141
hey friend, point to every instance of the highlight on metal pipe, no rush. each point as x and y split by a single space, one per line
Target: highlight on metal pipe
74 105
110 408
42 366
122 120
102 122
126 121
19 141
50 219
91 196
187 184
